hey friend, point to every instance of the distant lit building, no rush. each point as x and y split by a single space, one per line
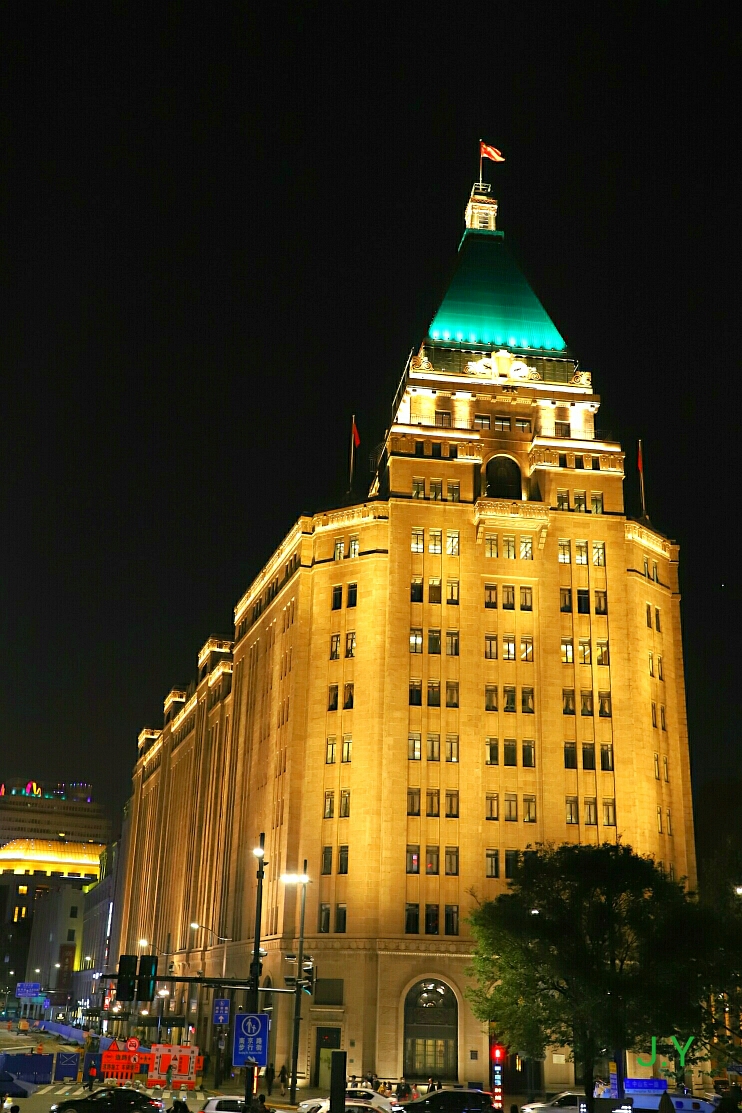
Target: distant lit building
29 810
99 954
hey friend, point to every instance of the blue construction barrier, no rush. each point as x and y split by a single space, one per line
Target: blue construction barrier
67 1066
29 1068
75 1035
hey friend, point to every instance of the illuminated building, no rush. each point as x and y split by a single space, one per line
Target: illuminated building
483 656
31 810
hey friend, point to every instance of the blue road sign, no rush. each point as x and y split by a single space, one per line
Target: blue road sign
27 989
250 1040
221 1010
645 1085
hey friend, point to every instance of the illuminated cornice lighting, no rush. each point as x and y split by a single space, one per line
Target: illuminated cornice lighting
213 645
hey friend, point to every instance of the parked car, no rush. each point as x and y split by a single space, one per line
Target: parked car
567 1100
110 1099
453 1101
355 1094
227 1104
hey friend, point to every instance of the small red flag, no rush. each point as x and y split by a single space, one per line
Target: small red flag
639 461
356 437
485 151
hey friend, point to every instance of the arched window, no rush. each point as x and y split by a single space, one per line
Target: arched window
503 479
431 1031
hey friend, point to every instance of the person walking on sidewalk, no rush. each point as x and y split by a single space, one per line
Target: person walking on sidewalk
283 1077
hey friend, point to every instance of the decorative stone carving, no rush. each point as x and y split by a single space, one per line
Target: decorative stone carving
420 362
581 378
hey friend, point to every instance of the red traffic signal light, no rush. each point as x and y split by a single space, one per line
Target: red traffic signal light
498 1053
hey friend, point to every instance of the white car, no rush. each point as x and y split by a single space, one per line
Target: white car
567 1100
230 1103
356 1095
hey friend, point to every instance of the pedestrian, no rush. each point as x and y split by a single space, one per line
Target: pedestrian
92 1076
283 1076
169 1074
262 1106
415 1094
270 1074
431 1086
179 1105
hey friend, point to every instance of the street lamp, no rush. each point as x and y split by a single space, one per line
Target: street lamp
303 880
252 993
219 938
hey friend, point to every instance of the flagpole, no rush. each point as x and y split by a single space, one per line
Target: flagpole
641 480
480 160
352 452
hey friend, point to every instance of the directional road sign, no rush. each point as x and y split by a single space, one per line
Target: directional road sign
27 989
221 1010
250 1040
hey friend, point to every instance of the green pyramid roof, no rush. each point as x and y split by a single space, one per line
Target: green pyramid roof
489 301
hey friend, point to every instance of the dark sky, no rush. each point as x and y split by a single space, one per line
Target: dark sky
223 228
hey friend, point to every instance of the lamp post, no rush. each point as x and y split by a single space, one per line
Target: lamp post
297 879
251 1003
223 939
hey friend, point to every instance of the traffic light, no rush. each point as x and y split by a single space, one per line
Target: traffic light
147 977
309 975
126 980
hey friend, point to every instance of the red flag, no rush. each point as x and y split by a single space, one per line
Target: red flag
639 461
485 151
356 438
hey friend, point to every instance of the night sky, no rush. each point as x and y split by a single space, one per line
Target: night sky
223 228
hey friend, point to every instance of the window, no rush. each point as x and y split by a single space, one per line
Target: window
342 859
668 819
508 699
414 746
452 542
655 572
601 602
431 919
418 541
330 749
492 807
591 811
663 718
588 755
529 809
337 597
323 926
523 424
326 859
609 813
418 487
528 751
657 766
452 861
665 768
416 693
606 757
416 589
452 747
454 492
659 819
580 552
526 701
419 448
509 752
565 600
490 647
352 595
340 917
332 697
568 701
490 545
580 502
452 919
526 598
508 547
511 807
452 693
416 639
435 541
347 755
452 593
561 429
443 419
511 864
508 647
436 490
604 705
344 803
334 647
596 502
562 499
603 656
339 549
526 548
563 459
583 601
348 690
434 590
567 651
490 697
599 554
586 702
413 801
491 751
432 861
434 693
329 810
432 802
355 547
572 810
434 747
526 648
434 641
23 890
660 670
490 596
492 863
502 424
411 918
481 421
564 552
585 656
350 643
649 616
452 643
570 755
508 597
413 859
452 804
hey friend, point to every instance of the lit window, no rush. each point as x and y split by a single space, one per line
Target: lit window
588 755
413 801
508 547
508 597
529 809
22 890
418 488
655 572
413 859
342 859
452 919
564 552
651 664
330 751
355 547
599 553
326 860
491 754
335 647
586 702
416 693
580 552
350 644
490 545
591 811
434 747
344 803
526 648
528 750
416 589
347 754
418 541
567 651
332 697
490 647
601 648
502 424
580 502
454 492
565 600
435 541
568 701
562 499
606 757
510 752
434 641
412 918
339 549
604 705
492 863
452 542
481 421
657 766
432 861
348 698
490 697
337 597
572 808
585 656
414 747
511 807
596 502
508 647
665 767
452 804
452 861
416 639
452 643
436 490
329 810
434 693
323 926
570 755
452 593
646 568
508 699
452 693
433 803
526 548
523 424
452 747
659 819
601 602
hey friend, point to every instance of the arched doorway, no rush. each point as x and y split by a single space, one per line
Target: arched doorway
431 1018
503 479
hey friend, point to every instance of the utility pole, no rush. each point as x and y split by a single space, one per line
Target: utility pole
251 1073
299 989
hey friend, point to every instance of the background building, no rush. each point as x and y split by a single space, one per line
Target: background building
30 811
482 656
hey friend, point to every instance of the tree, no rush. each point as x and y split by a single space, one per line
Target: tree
593 947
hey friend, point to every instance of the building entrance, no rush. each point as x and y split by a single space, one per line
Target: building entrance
431 1031
328 1040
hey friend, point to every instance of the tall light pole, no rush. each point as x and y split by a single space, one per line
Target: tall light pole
303 880
223 939
251 1073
